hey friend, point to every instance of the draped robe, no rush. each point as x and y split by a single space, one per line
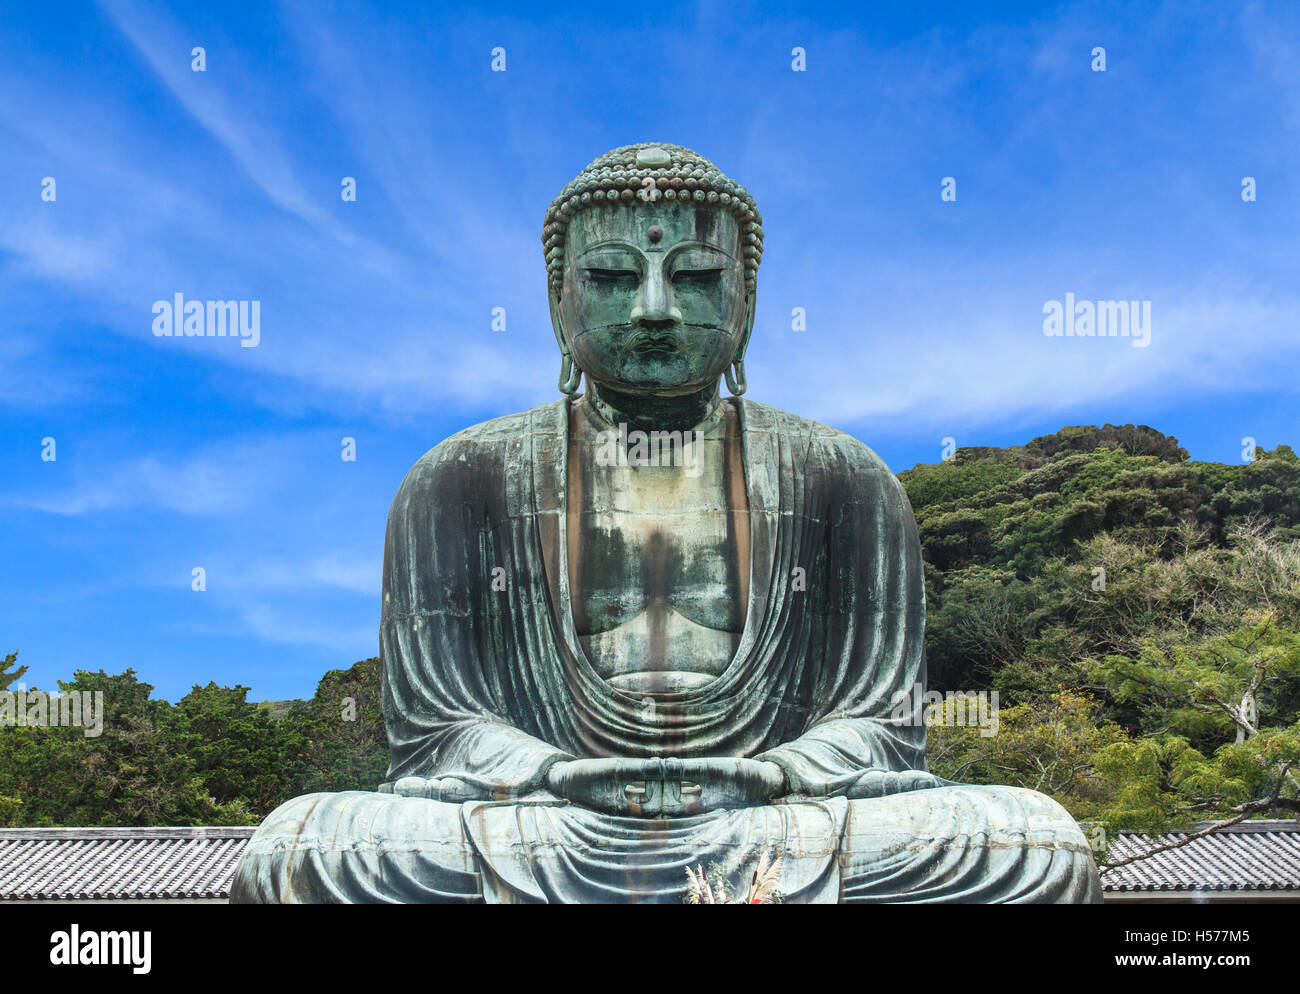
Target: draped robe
485 681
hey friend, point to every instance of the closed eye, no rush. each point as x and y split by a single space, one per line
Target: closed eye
696 275
611 275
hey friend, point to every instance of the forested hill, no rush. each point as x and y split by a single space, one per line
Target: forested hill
1137 613
1012 537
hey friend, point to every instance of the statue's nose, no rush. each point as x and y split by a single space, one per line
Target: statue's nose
654 304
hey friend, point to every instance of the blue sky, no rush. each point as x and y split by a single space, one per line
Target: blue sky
924 317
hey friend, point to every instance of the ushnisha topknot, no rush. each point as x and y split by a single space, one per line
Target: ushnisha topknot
646 173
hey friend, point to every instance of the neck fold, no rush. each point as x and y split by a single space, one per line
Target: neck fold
643 412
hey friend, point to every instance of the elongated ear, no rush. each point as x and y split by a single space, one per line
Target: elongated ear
735 375
557 322
750 311
570 373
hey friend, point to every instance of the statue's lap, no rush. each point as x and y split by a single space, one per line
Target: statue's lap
958 843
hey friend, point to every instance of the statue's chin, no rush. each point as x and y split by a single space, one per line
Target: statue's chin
657 386
659 681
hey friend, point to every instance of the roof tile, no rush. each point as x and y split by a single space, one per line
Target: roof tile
1253 855
119 863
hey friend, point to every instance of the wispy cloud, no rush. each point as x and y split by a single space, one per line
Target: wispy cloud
254 147
281 627
221 481
354 572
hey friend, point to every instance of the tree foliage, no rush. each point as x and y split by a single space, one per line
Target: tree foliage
213 758
1140 614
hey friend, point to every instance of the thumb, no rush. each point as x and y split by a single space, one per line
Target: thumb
453 790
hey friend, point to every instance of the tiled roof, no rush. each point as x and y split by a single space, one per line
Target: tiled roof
1252 855
197 863
119 863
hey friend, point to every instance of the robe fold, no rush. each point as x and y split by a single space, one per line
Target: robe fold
485 681
488 683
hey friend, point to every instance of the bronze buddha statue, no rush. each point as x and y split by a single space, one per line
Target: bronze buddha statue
646 627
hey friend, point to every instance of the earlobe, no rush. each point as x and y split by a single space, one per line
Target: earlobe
735 374
751 309
570 373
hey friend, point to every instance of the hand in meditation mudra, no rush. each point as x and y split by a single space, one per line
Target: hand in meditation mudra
646 627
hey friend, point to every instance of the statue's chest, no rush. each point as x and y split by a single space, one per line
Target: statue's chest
655 557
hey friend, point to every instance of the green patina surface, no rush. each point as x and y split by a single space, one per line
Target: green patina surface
646 626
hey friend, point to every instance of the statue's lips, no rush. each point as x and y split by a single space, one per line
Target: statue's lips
655 344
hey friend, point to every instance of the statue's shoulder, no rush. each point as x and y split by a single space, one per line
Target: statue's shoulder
836 452
481 451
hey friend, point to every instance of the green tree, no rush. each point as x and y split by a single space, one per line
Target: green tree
1050 745
344 741
8 677
242 756
133 773
1219 746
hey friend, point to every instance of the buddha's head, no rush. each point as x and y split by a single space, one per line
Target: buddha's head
652 256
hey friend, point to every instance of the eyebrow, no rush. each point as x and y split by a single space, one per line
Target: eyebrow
686 246
610 244
679 247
